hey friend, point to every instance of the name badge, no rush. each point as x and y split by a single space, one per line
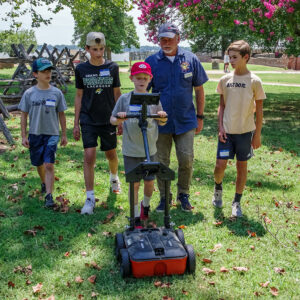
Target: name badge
187 75
50 102
135 107
224 153
104 72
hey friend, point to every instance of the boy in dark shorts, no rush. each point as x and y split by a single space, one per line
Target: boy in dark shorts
241 94
133 145
98 88
45 105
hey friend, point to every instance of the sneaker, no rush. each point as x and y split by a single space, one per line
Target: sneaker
184 202
161 205
49 203
137 223
88 207
236 210
43 188
217 198
115 186
144 212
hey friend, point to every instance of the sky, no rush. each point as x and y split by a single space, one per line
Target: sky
61 29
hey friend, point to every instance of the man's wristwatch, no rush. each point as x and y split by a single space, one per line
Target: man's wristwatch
201 117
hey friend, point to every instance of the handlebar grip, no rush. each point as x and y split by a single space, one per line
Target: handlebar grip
137 115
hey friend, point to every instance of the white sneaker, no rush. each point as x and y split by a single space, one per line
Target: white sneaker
88 207
116 186
236 210
217 198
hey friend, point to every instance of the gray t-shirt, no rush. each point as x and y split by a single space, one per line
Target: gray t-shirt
133 144
43 107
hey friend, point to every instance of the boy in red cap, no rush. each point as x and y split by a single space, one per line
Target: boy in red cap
133 145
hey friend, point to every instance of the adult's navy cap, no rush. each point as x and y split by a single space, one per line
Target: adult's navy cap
168 30
41 64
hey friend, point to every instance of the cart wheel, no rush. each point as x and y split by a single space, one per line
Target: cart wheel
191 260
125 263
180 236
119 244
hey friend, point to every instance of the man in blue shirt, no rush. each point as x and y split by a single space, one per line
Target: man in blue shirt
176 72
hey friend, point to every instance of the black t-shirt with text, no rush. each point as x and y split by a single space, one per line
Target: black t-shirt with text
98 83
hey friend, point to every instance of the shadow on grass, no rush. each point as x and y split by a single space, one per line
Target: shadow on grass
242 227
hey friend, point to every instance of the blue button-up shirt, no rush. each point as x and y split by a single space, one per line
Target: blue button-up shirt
175 81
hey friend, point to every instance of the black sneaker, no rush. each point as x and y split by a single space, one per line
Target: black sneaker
49 203
137 223
43 188
184 202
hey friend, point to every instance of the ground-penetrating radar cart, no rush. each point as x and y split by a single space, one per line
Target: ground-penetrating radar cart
151 251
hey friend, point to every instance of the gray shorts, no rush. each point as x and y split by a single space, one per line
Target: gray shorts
131 162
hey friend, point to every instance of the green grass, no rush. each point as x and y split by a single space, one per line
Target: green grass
273 179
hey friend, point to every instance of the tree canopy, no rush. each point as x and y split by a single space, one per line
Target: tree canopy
211 24
107 16
8 37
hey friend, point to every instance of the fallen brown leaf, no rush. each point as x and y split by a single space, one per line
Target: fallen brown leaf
252 247
108 218
60 238
107 233
274 291
67 254
240 269
279 270
218 223
208 271
78 279
92 279
2 214
95 266
229 250
37 288
94 295
157 283
206 260
83 253
184 292
30 232
264 284
28 282
224 270
11 284
216 247
211 283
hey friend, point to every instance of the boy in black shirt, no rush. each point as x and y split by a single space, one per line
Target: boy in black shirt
98 88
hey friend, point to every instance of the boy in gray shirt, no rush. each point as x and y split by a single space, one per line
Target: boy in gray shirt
133 145
45 106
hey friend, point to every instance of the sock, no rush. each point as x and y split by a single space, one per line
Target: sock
237 197
146 201
136 211
90 195
113 176
218 186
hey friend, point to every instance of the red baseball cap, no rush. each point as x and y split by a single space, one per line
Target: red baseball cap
141 67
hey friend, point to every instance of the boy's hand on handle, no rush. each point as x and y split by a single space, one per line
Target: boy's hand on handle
64 140
222 135
256 141
121 115
163 117
25 142
76 133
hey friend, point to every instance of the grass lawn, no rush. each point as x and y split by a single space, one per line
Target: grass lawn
63 246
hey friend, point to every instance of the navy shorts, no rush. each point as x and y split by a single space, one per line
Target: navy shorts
42 148
238 145
131 162
107 134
